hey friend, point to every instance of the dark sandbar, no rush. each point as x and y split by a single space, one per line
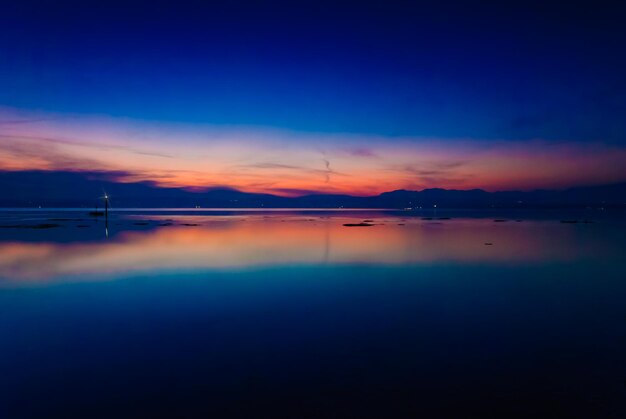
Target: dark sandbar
358 225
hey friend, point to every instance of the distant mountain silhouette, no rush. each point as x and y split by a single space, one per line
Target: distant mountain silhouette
81 189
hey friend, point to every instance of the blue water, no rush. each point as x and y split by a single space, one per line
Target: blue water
445 336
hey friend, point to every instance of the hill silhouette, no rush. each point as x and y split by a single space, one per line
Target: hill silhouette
81 189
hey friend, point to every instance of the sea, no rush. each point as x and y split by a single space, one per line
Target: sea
294 313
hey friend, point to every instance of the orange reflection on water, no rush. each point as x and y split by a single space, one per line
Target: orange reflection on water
257 241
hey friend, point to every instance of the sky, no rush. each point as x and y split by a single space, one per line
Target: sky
304 97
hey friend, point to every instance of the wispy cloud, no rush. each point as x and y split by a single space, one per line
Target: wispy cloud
91 145
361 152
23 121
265 160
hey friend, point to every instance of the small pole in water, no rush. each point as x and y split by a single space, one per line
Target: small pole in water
106 215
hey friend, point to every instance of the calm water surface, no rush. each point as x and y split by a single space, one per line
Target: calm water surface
293 314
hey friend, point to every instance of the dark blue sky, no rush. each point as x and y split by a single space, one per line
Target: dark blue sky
513 71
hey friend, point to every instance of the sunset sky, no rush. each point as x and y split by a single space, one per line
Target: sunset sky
324 97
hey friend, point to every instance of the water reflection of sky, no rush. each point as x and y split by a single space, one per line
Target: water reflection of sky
299 316
170 242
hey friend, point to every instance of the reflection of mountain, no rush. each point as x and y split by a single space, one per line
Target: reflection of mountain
69 189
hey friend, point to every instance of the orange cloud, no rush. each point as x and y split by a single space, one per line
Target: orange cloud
288 163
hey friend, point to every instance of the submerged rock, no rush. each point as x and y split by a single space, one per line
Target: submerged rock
33 226
358 225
